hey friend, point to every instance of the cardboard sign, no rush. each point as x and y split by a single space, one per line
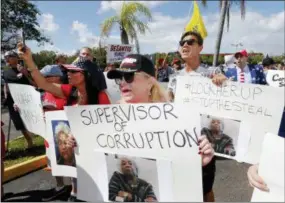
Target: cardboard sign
117 52
62 159
276 78
259 108
29 103
157 131
271 170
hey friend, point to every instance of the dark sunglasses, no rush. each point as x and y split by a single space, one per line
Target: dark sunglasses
188 41
73 71
128 77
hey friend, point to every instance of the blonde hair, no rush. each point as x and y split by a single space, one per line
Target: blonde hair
157 93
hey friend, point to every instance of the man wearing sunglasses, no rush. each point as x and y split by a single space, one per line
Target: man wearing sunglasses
191 44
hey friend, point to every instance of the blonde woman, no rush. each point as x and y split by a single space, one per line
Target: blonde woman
137 84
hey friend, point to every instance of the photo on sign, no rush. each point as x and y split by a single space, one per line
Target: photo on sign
61 133
132 179
222 133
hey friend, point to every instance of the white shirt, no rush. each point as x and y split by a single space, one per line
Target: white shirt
247 74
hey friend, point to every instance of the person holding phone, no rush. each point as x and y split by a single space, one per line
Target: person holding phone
18 76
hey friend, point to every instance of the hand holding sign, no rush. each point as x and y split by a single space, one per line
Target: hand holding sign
205 149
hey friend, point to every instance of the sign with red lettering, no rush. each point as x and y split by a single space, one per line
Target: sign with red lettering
117 52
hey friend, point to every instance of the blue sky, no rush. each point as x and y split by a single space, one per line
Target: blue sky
73 24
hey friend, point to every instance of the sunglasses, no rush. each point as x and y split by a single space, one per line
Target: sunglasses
128 77
188 41
73 71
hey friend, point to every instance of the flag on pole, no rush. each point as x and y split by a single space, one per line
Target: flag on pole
196 22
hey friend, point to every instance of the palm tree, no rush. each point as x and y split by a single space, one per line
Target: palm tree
130 24
225 6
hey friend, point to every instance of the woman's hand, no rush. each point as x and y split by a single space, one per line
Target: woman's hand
219 79
255 180
24 52
71 142
16 108
205 149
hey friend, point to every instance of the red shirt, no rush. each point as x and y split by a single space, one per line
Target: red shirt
52 103
102 97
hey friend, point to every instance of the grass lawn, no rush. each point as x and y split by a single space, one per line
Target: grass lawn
17 152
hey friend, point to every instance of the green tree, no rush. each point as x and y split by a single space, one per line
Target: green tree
129 23
16 16
44 58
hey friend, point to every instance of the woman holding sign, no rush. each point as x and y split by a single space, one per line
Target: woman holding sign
137 84
84 86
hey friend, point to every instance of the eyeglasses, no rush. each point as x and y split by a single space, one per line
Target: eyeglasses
128 78
189 42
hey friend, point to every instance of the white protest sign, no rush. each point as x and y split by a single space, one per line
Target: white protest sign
276 78
258 108
28 101
112 90
157 131
117 52
271 170
62 159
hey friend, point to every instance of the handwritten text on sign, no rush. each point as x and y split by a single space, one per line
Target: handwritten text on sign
155 127
28 101
117 52
258 107
276 78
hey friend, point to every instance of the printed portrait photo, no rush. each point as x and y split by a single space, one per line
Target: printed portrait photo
222 133
132 179
61 133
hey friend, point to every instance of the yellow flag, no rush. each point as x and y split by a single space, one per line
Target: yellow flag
196 23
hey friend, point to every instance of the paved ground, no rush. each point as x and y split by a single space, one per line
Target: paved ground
230 186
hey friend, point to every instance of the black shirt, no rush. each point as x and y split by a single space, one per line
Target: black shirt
12 75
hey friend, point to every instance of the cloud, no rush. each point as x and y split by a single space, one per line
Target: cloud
47 23
49 47
85 36
116 5
257 33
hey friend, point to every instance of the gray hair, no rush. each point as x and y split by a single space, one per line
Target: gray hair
134 164
222 124
61 127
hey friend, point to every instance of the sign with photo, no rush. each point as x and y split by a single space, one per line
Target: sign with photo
154 131
62 158
259 108
276 78
29 103
117 52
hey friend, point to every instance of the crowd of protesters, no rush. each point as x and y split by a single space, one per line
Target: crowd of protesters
83 83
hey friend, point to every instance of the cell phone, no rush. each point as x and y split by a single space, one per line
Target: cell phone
21 62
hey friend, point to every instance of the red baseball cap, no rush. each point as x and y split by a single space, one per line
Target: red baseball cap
242 53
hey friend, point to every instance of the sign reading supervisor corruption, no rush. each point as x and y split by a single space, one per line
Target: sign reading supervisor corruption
117 52
258 107
156 130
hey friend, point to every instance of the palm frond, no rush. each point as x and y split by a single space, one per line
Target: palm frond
107 25
132 8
